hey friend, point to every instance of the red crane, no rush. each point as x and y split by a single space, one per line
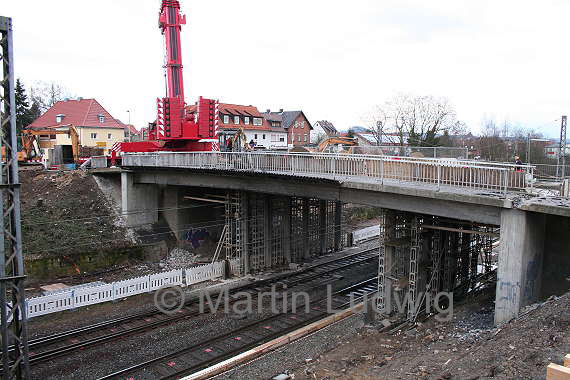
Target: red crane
176 129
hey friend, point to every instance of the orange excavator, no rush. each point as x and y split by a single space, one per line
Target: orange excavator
31 145
331 141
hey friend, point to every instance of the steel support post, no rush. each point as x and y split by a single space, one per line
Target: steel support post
245 222
337 226
267 231
287 230
385 260
306 247
322 227
15 364
415 248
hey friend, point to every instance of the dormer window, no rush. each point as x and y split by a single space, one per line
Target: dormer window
101 118
59 118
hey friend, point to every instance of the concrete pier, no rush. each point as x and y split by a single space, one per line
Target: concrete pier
520 262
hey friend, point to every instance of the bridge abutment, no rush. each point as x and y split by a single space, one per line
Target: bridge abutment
139 202
519 275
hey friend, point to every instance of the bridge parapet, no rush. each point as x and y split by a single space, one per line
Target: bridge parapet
440 172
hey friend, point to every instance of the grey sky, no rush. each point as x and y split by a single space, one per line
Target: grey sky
333 59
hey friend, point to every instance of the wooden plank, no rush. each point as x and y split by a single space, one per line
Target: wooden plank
492 234
557 372
567 361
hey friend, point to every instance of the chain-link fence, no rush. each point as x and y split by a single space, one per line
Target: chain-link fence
413 151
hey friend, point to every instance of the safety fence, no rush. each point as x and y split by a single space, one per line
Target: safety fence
440 172
83 296
366 233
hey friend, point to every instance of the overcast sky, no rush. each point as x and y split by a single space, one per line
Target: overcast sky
333 59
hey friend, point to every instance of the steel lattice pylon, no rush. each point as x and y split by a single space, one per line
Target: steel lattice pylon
13 337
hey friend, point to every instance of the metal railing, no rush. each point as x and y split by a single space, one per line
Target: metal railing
551 172
440 172
412 151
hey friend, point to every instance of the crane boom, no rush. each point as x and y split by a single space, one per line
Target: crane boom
176 129
171 21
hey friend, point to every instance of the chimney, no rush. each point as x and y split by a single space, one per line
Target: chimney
280 110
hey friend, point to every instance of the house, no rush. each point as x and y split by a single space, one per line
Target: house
270 130
295 123
553 151
387 139
253 123
131 133
322 129
95 126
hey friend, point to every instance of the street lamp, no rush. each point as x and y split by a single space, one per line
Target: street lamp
129 125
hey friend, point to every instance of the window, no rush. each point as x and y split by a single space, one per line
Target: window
299 138
302 125
256 121
109 136
296 124
246 120
236 119
305 138
94 135
226 119
282 139
59 118
101 118
264 136
255 136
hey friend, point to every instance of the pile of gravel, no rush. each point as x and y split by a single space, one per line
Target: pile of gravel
179 258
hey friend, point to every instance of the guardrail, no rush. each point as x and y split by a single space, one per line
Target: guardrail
72 299
440 172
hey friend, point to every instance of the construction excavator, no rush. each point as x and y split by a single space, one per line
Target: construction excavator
31 145
177 129
329 142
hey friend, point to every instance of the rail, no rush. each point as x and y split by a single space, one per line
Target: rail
439 172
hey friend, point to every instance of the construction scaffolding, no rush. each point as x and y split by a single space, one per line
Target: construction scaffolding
421 256
266 231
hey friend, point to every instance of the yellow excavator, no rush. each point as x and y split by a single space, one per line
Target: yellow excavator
31 145
331 141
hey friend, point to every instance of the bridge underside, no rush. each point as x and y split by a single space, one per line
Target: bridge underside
436 240
421 256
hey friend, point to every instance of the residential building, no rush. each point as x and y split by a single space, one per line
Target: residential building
296 124
254 125
95 126
131 133
322 129
553 151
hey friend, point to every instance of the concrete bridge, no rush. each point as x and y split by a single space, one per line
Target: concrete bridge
457 201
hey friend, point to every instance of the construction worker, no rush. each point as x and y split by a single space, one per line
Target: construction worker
519 164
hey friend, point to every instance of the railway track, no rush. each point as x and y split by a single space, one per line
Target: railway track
65 343
212 351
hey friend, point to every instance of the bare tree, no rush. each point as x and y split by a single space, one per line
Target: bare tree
46 94
422 119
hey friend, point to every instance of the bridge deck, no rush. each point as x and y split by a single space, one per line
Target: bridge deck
375 169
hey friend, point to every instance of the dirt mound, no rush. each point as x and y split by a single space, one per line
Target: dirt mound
468 347
66 213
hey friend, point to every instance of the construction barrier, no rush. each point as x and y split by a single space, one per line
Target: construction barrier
365 233
90 295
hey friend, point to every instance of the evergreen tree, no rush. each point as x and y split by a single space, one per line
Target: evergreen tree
23 114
